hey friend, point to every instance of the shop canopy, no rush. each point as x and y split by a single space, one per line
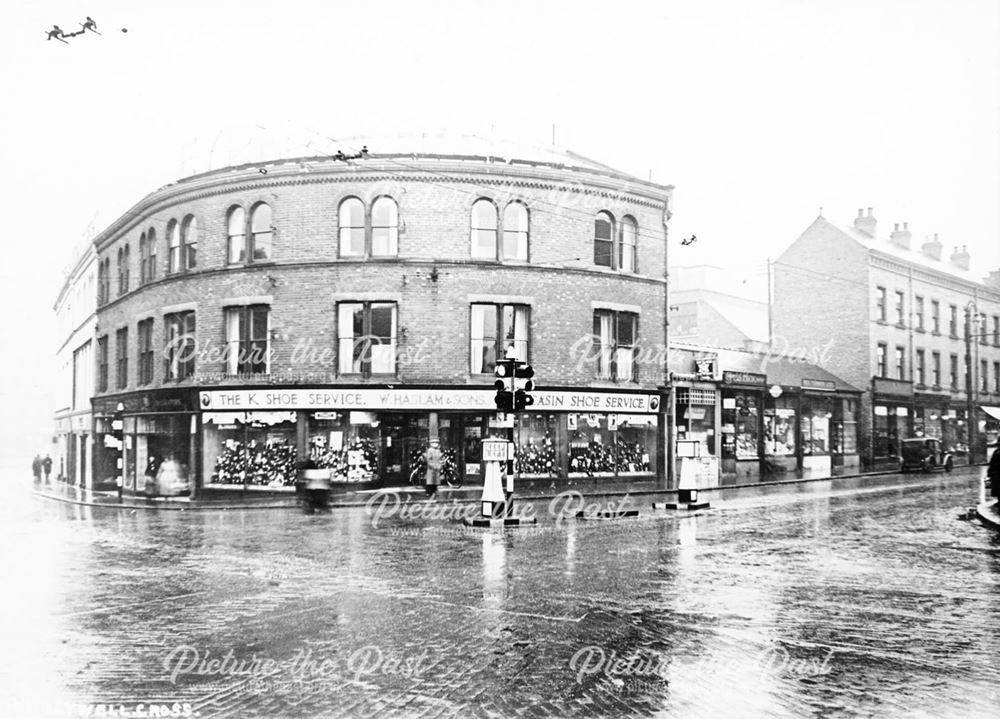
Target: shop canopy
993 412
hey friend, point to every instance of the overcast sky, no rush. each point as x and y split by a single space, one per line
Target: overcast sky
759 113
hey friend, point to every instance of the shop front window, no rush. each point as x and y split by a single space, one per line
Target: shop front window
779 428
250 448
537 451
347 443
741 422
611 444
695 410
814 424
161 452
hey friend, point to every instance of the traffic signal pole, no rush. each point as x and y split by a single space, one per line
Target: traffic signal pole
510 399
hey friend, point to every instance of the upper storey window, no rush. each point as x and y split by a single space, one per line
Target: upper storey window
615 247
123 263
486 231
604 244
368 235
251 243
236 225
189 236
147 256
173 247
182 244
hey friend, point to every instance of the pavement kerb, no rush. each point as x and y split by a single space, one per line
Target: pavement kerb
337 502
989 514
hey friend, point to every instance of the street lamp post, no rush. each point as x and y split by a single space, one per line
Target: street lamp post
971 385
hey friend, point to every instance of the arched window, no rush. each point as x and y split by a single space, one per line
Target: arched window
484 229
236 243
261 231
128 261
173 247
190 238
151 252
515 232
627 244
143 260
351 219
385 228
604 239
121 270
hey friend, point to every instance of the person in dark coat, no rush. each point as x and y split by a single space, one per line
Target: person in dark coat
36 468
47 466
433 459
993 471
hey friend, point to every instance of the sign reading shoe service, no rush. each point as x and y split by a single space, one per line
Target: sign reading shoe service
481 400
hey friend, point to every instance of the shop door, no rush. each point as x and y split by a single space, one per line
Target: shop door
393 460
83 460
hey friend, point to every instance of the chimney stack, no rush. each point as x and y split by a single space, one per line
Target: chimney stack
932 248
865 223
960 258
901 237
993 280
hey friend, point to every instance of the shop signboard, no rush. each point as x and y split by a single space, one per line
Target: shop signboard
751 378
419 399
822 385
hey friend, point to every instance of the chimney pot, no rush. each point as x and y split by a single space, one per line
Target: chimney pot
895 228
906 225
869 212
861 213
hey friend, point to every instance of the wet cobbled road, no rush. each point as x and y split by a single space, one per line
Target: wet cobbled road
866 597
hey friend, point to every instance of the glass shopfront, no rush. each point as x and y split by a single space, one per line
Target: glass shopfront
384 447
741 422
611 445
249 448
152 440
779 426
892 423
814 424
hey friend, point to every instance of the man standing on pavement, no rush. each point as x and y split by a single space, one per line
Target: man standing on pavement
993 471
47 466
36 467
432 460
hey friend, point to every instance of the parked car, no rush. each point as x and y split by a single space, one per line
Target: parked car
924 453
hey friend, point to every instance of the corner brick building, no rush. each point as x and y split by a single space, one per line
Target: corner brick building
347 309
893 317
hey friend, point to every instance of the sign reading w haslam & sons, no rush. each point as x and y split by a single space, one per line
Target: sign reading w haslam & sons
472 399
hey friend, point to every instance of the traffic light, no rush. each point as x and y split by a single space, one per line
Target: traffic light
521 400
505 397
523 386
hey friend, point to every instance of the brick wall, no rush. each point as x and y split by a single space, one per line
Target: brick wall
433 279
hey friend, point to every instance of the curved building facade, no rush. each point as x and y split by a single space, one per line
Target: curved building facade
348 310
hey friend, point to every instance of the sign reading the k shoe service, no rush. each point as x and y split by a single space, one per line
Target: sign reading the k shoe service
243 400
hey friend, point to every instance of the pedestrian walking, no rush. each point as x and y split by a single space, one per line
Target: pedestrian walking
993 471
433 458
36 467
47 466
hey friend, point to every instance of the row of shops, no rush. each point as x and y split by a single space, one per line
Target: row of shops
738 418
899 411
743 417
369 436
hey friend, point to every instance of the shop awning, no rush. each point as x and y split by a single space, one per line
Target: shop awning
993 412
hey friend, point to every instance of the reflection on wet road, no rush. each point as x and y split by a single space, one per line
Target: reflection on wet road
865 597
